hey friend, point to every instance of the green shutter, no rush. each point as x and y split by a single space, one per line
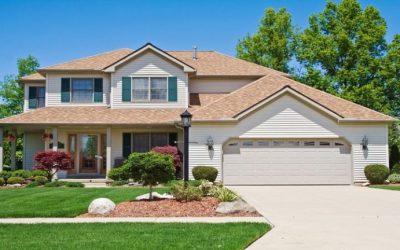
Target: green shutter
65 89
98 90
126 144
173 137
32 97
172 89
126 89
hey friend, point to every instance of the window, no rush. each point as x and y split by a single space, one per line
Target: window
247 144
141 142
278 143
41 96
324 143
149 89
309 143
82 90
338 144
159 139
144 142
263 143
293 143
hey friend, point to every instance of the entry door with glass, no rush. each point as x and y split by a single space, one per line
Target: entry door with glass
89 157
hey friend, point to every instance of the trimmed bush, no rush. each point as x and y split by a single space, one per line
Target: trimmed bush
74 184
119 183
376 173
41 180
119 174
223 194
55 184
52 162
394 178
39 173
2 181
396 169
5 175
205 173
188 193
22 173
33 184
15 180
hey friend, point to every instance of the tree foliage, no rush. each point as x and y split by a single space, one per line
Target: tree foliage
271 45
52 162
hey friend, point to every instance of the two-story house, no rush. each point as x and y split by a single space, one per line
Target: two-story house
266 128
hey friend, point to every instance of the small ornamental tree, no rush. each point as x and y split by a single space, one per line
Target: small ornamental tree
174 152
52 162
150 169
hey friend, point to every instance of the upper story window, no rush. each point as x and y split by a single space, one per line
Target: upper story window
82 90
149 89
37 97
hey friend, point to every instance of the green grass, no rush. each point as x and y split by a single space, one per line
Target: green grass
59 202
396 188
131 236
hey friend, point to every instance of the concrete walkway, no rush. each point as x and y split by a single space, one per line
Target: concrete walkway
326 217
132 220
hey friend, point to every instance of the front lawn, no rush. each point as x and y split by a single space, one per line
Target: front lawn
388 187
131 236
60 202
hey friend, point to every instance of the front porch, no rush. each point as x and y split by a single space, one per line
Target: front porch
95 150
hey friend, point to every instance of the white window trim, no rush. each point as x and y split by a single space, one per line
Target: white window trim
149 89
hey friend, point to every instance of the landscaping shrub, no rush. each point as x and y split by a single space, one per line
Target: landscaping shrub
185 193
6 168
119 174
376 173
194 183
223 194
21 173
396 168
15 180
205 173
52 162
394 178
33 184
39 173
205 187
150 168
177 155
41 180
55 184
74 184
2 181
5 175
119 183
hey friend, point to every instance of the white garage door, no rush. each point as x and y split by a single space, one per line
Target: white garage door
280 162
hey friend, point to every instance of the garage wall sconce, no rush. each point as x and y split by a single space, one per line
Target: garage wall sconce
210 143
364 143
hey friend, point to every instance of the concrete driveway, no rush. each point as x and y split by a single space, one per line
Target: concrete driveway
326 217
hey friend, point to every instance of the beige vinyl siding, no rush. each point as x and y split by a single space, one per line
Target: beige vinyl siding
26 93
288 117
149 64
215 85
53 89
33 143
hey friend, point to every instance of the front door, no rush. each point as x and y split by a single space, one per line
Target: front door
89 158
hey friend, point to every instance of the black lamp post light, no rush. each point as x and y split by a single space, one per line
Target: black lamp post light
186 120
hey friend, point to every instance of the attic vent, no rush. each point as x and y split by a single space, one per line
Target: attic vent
194 55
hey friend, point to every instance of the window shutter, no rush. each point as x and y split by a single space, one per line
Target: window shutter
173 137
65 89
126 144
98 90
126 89
32 97
172 89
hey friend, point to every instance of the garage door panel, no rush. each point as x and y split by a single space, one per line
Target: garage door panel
287 165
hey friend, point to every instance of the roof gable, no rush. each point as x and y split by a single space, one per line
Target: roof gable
149 47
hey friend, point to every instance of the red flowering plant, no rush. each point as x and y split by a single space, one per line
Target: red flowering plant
174 152
52 162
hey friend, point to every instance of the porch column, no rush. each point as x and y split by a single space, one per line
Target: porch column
108 150
1 148
55 139
13 151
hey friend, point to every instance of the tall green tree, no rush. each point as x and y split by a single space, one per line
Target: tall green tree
12 101
271 45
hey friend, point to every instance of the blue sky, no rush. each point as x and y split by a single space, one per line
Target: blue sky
61 30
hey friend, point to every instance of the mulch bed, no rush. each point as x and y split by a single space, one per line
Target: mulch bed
170 208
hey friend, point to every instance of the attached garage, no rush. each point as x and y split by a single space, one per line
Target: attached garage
286 162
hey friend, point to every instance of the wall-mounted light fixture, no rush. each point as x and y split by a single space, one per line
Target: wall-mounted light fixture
364 143
210 143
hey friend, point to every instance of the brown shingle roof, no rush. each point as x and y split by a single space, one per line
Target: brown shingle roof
95 115
250 95
198 100
33 77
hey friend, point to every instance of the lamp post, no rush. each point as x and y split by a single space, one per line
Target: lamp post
186 119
